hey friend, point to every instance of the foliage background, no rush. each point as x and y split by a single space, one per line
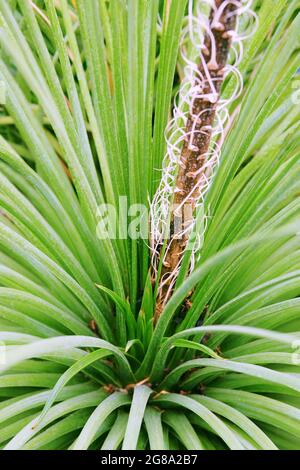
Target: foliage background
89 90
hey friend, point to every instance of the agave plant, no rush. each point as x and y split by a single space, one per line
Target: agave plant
116 330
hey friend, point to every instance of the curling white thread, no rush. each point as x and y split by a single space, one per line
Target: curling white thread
198 26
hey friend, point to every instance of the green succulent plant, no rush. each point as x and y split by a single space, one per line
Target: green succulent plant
87 90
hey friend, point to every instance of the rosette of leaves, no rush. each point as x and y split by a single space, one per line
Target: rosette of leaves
89 87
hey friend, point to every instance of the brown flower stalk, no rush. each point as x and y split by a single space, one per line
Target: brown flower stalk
216 47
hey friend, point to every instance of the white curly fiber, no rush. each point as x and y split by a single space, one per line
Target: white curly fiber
197 26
